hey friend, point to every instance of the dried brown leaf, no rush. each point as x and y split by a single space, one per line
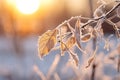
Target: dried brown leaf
71 41
46 42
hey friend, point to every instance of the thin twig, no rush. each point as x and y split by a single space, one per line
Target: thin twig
90 20
91 8
93 72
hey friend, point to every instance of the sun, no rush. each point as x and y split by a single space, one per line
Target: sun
27 6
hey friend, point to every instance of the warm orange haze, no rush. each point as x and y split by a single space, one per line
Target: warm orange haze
34 15
27 6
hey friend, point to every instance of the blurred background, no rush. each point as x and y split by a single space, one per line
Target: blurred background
22 22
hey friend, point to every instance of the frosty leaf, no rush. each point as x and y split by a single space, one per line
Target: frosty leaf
64 37
77 33
92 58
62 33
62 46
63 30
90 61
98 34
75 58
100 10
68 37
86 30
86 33
46 42
86 37
70 42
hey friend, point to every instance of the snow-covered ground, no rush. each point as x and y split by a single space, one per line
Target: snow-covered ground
21 66
16 67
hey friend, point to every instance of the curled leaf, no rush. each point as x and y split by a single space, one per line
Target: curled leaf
86 37
87 29
86 33
46 42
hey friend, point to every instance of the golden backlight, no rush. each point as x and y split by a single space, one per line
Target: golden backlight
27 6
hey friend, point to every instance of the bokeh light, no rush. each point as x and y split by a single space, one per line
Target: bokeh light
27 6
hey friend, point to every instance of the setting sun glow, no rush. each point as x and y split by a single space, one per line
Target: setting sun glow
27 6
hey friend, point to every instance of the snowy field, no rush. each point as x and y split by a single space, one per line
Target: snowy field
21 67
